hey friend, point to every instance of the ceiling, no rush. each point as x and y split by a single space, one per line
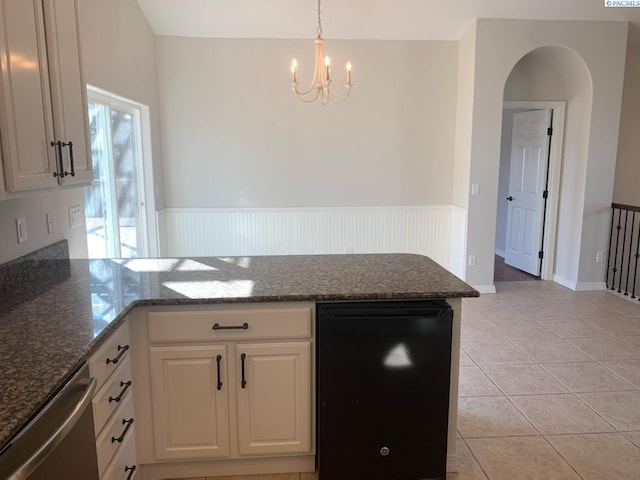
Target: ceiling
359 19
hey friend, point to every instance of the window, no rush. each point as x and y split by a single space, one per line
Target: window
116 209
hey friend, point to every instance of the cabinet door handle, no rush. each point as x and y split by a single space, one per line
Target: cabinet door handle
217 326
117 399
73 169
242 358
218 360
60 165
128 424
122 349
131 471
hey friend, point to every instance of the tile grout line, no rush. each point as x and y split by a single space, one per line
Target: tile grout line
476 459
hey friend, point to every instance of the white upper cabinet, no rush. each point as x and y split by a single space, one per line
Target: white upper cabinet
68 88
42 96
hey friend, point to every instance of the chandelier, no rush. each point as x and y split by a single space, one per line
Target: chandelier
320 87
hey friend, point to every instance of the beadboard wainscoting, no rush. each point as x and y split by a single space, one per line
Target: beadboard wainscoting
435 231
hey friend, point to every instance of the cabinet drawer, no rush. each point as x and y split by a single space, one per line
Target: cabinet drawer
123 466
120 426
113 393
213 325
105 361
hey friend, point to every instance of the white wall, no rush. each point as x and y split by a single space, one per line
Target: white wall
235 136
627 184
118 50
494 60
535 78
464 117
34 209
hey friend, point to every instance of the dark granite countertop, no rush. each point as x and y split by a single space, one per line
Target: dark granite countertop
52 321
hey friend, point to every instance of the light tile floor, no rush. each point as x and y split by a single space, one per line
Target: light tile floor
549 387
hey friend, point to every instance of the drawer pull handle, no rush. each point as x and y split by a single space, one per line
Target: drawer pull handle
131 471
122 350
244 326
218 360
125 386
128 424
244 381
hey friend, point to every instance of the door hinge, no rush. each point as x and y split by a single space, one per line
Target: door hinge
550 131
540 254
545 194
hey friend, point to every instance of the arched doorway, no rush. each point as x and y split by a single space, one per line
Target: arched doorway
547 78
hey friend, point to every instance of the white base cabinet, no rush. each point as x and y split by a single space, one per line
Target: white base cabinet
273 402
230 389
113 414
190 412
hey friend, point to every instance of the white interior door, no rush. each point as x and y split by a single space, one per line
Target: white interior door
527 179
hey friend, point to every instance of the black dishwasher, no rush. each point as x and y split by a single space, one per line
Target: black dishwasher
383 389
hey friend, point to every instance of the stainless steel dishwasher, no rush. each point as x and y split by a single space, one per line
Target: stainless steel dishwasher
59 443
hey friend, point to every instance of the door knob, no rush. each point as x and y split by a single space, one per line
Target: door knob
510 198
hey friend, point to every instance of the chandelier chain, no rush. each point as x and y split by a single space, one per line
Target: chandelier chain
319 29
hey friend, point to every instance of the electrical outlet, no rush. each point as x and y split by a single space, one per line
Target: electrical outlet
599 257
472 260
21 229
49 217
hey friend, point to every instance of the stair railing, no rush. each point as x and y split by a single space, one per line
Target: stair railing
624 250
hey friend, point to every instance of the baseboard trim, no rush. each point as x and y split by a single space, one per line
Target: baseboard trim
209 468
590 286
485 288
452 464
500 253
579 286
564 282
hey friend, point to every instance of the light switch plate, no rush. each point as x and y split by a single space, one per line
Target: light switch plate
75 216
49 216
475 189
21 229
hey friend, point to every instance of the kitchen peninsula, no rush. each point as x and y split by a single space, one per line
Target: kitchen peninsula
57 313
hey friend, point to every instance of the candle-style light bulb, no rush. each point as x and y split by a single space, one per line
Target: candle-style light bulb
348 73
327 62
294 70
